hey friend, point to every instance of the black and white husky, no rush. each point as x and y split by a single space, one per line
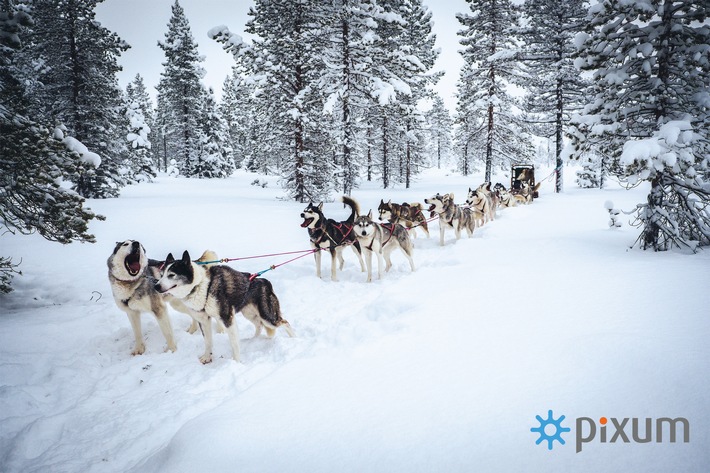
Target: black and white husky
219 292
451 215
327 234
129 273
381 239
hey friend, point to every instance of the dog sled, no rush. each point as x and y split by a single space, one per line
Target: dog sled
521 174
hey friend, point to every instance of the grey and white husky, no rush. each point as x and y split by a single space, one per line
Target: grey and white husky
219 292
129 273
327 234
451 215
381 239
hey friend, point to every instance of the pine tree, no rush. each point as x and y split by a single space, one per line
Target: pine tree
419 55
470 131
138 162
555 87
80 88
402 56
286 63
35 159
490 49
180 95
136 92
345 85
215 157
649 113
439 123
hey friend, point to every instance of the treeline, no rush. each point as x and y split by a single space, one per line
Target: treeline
328 94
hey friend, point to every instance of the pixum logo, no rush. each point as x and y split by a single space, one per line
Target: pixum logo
550 429
613 430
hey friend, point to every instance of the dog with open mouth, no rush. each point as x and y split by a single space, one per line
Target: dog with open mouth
130 276
451 216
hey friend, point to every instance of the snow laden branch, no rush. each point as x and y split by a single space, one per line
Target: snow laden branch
677 213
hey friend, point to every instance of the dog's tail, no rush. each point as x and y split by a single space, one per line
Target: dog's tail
208 258
354 206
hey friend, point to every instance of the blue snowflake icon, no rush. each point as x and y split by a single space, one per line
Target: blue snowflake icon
545 433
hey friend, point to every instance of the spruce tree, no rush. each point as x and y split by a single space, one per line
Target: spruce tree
439 123
80 87
138 163
649 113
347 61
555 87
35 159
215 156
285 61
490 49
180 95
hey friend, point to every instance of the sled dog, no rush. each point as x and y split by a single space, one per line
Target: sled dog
450 215
133 291
330 235
525 195
408 215
219 292
381 239
481 204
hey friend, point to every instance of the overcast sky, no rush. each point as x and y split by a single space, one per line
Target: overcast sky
142 23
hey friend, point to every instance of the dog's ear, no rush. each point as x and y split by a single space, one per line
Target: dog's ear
186 257
118 245
369 214
389 202
170 259
320 206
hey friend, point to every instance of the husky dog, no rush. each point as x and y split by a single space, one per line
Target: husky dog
482 205
331 235
506 198
382 239
450 215
220 292
526 193
409 215
133 291
155 269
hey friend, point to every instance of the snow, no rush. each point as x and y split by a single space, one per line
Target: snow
77 146
443 369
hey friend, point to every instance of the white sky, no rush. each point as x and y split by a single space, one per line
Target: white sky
142 23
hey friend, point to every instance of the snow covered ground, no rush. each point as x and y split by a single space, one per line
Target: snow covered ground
443 369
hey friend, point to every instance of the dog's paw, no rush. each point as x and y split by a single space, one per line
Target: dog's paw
193 327
139 350
171 347
206 358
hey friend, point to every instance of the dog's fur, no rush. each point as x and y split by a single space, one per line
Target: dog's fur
506 198
481 204
526 193
331 235
409 215
382 239
133 291
451 215
219 292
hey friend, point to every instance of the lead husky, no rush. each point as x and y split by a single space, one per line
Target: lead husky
133 291
331 235
450 216
381 239
220 292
